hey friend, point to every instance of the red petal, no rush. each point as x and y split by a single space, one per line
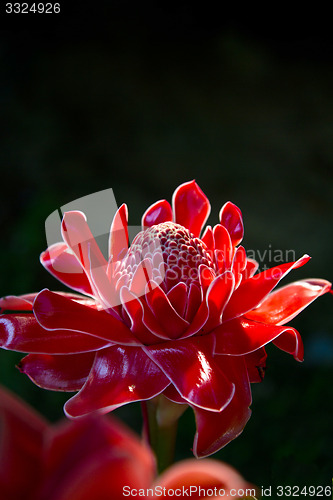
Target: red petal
157 213
253 290
22 439
143 274
208 239
215 430
190 366
193 302
17 303
172 324
64 266
223 248
104 287
118 241
178 298
58 373
256 364
54 311
242 336
231 219
22 332
77 235
250 269
191 207
120 375
282 305
217 298
140 315
290 341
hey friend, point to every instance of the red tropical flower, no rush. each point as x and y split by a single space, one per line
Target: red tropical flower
175 313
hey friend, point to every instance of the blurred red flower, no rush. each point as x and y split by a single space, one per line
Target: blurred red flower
95 457
175 313
90 458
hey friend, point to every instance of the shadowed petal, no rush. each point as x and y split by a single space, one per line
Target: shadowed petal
242 336
22 332
190 366
191 207
58 373
256 364
157 213
215 430
282 305
253 290
119 375
60 261
54 312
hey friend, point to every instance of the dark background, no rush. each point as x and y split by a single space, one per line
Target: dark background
141 98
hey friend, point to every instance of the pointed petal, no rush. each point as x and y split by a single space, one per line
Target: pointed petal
241 336
103 286
60 261
190 366
78 237
178 298
58 373
290 341
217 298
54 312
118 240
223 248
193 302
191 207
120 375
140 315
282 305
253 290
157 213
172 324
231 219
143 275
22 332
206 277
215 430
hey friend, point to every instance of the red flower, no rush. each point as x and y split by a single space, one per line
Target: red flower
94 458
176 313
90 458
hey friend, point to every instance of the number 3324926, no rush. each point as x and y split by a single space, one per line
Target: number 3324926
34 8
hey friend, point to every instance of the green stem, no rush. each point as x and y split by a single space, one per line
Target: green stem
161 436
